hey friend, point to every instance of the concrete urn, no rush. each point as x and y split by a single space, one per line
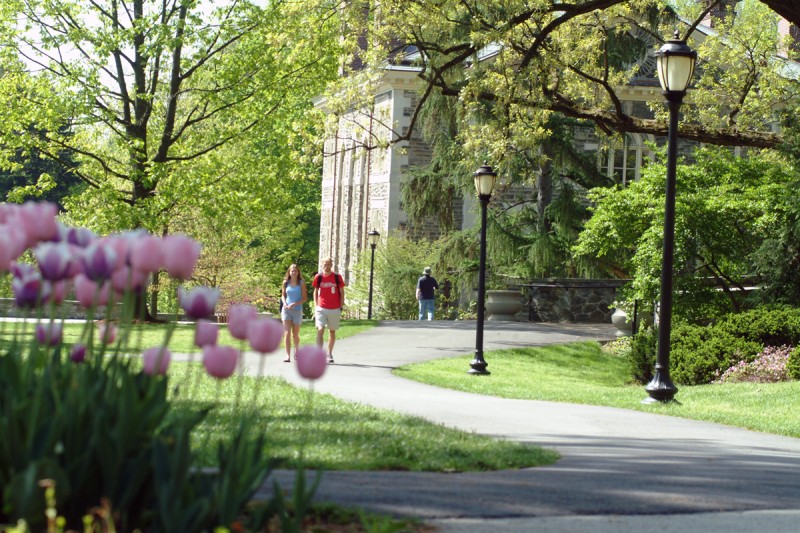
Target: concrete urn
503 305
620 320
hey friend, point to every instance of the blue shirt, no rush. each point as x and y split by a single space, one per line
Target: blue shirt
294 293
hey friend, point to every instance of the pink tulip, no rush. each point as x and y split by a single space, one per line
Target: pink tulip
28 287
238 317
48 334
147 253
54 260
38 221
107 332
220 361
80 237
125 279
311 362
21 270
264 334
76 262
156 360
87 293
56 291
180 255
7 212
121 243
78 353
99 260
205 333
198 302
12 244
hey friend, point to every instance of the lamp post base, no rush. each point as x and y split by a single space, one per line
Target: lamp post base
660 388
478 366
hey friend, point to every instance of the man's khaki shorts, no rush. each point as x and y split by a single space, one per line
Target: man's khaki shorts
327 318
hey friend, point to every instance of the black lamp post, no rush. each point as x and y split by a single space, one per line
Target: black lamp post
373 237
485 178
675 63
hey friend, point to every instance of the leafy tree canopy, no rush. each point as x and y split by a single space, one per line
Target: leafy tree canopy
169 106
511 64
725 208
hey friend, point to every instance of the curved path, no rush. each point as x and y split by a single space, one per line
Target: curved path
620 470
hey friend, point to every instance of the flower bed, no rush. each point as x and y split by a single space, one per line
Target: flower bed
90 437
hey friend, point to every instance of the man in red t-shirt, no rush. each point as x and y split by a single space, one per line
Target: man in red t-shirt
328 303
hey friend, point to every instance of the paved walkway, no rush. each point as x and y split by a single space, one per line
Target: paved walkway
620 470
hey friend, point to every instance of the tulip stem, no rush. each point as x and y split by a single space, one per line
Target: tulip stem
260 379
240 383
307 432
198 373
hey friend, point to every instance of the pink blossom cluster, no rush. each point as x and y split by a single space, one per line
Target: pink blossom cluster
100 270
768 367
262 334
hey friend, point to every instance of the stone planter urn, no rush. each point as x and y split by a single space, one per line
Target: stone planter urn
620 320
503 305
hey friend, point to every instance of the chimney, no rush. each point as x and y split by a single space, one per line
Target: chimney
719 13
789 35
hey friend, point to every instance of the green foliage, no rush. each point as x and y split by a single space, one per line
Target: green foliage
793 365
770 326
699 354
725 208
35 176
223 147
777 260
641 355
398 266
102 430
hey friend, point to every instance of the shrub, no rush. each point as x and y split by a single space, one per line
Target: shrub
642 355
768 367
768 326
793 363
699 354
618 347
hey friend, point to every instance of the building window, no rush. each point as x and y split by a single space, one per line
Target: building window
623 162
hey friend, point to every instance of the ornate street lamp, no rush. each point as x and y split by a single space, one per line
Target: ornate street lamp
373 237
485 178
675 65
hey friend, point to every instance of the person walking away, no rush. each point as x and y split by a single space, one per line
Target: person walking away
426 294
293 295
328 303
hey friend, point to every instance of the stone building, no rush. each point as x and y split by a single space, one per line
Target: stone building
363 170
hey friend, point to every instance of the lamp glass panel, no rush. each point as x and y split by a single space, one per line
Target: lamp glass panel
484 184
675 71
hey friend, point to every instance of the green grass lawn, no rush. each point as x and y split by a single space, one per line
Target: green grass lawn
583 373
332 434
338 435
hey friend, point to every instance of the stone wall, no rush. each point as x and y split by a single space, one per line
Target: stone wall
571 300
